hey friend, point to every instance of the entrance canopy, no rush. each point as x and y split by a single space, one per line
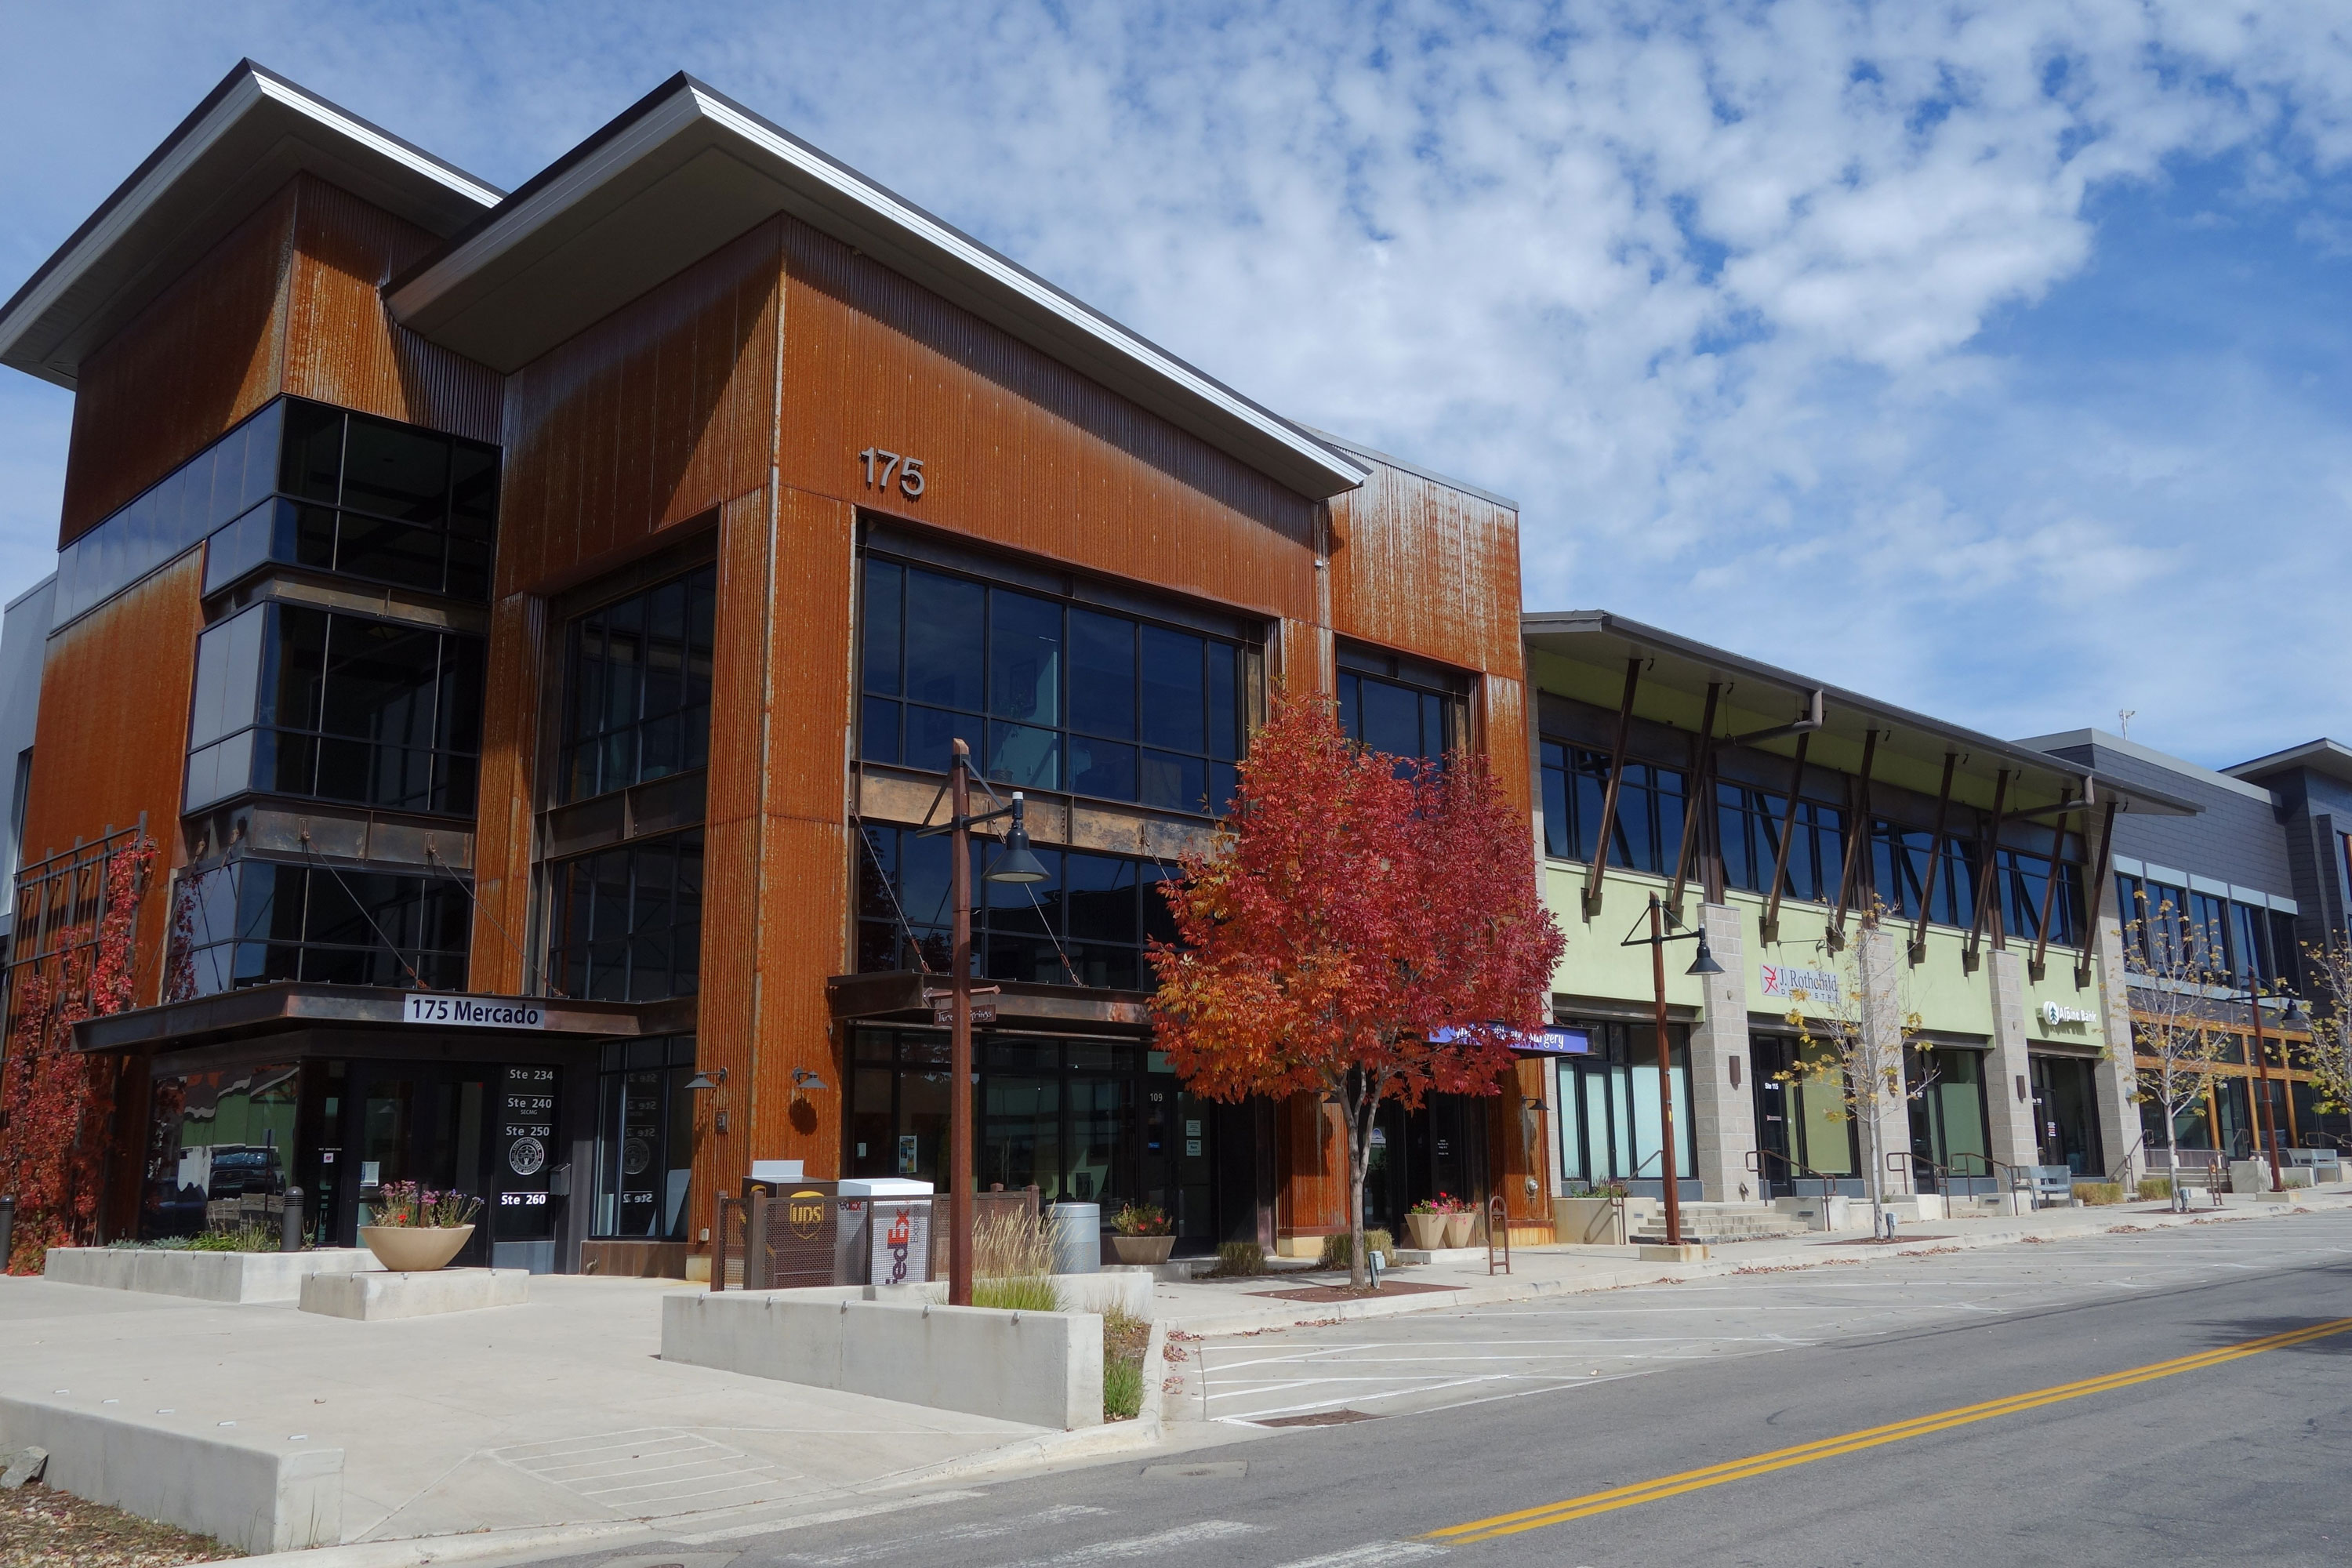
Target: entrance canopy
908 996
262 1010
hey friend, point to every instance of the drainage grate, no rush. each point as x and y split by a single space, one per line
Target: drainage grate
651 1471
1318 1418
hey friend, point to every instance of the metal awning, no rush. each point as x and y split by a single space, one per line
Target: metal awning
906 996
262 1010
1687 667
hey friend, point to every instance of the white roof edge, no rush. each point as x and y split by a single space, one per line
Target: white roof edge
245 87
508 229
376 141
44 586
2152 757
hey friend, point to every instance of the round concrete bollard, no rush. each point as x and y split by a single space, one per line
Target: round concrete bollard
290 1224
1077 1238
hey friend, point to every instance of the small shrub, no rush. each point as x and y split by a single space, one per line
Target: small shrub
2155 1187
1142 1219
1238 1260
1340 1250
1125 1338
1020 1293
244 1238
1010 1243
2098 1193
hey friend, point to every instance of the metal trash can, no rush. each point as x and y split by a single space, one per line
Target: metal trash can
1077 1229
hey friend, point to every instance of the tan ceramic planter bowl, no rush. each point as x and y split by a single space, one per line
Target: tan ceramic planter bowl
1457 1228
1428 1230
415 1248
1142 1248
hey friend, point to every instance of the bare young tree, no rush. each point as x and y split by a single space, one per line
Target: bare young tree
2327 967
2172 965
1854 1042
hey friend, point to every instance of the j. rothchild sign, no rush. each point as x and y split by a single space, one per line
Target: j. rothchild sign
470 1012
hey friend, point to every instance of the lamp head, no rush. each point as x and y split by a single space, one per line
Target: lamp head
1017 866
803 1080
1705 963
711 1077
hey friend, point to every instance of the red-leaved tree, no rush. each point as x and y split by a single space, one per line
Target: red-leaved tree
1365 929
57 1100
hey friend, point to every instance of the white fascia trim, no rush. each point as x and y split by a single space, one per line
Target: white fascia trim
2284 906
980 260
2124 865
512 229
690 105
378 143
193 146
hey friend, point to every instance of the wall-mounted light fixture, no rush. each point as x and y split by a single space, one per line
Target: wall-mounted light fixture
806 1083
708 1078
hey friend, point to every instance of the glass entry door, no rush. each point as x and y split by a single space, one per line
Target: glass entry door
429 1123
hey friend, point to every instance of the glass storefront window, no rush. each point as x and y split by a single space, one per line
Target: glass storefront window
1612 1130
637 684
645 1140
219 1150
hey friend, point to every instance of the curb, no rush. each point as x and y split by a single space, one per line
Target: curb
415 1551
1817 1252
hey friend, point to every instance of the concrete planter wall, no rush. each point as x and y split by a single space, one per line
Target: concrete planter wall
1043 1369
260 1497
206 1276
1588 1222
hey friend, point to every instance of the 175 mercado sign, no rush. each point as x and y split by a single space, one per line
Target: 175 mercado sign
469 1012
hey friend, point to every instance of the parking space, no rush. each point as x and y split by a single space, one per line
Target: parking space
1440 1359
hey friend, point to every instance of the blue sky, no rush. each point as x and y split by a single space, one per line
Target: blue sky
1989 359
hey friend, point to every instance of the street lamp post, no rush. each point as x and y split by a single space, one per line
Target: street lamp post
1660 917
1016 866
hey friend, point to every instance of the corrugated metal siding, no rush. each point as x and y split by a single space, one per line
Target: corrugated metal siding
112 735
508 791
651 417
341 345
1428 570
204 355
1018 449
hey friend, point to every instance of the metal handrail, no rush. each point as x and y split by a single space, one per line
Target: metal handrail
2120 1171
1794 1167
1991 1165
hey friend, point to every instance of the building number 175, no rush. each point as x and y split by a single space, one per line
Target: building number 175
879 465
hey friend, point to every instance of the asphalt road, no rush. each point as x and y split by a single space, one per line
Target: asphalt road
2102 1401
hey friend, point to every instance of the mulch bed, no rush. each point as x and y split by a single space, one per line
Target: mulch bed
1341 1293
44 1529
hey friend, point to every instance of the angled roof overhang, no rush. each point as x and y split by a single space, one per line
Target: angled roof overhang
250 135
2329 759
1684 665
685 170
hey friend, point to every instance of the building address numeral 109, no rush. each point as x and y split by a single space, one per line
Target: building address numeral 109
879 463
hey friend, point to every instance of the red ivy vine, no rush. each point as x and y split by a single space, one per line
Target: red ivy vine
57 1102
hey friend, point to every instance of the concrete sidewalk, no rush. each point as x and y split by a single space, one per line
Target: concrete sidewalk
1218 1307
551 1414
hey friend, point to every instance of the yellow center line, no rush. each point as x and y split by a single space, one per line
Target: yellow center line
1664 1486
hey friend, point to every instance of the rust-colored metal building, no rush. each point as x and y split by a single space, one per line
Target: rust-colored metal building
532 626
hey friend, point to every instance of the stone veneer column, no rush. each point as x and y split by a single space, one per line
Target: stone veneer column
1723 1115
2008 1122
1878 969
2115 1078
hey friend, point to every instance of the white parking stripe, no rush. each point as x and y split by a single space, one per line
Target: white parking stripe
916 1543
1145 1545
1371 1554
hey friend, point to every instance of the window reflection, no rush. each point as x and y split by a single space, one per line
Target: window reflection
1049 695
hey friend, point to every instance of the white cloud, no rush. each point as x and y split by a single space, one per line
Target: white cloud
1705 290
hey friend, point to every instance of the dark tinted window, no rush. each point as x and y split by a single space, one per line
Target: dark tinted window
1048 695
627 923
637 704
253 922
